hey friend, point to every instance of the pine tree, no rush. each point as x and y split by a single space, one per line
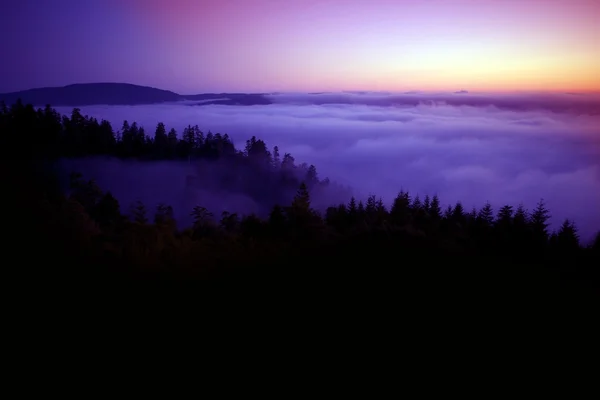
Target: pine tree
419 215
448 212
521 217
567 237
189 136
473 214
88 194
199 138
201 217
427 203
380 206
276 158
277 218
435 210
486 215
311 176
519 233
458 212
125 128
539 221
301 216
400 211
161 141
107 211
352 210
229 222
504 215
361 208
416 204
301 201
371 204
287 164
352 205
172 143
163 215
138 213
504 224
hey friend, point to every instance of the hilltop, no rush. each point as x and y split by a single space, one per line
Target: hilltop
85 94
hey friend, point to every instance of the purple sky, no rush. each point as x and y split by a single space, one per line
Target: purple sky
303 45
514 148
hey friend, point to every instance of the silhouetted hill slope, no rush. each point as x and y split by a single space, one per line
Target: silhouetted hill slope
121 94
92 93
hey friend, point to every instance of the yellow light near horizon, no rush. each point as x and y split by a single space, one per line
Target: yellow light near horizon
464 68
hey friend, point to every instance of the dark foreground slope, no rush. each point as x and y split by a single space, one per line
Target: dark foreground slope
411 258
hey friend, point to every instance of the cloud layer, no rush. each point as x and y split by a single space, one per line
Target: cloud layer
509 149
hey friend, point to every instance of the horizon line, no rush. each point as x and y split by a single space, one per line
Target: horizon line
458 91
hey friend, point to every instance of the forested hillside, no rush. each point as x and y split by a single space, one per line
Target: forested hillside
413 245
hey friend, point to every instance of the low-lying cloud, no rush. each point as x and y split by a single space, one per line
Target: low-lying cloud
507 149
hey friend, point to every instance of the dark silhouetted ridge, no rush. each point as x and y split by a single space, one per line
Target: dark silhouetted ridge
86 94
92 93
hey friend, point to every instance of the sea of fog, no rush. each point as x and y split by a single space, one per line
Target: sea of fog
502 149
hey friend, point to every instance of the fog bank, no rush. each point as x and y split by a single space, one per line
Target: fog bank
504 150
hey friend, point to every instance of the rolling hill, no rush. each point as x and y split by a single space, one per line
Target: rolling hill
86 94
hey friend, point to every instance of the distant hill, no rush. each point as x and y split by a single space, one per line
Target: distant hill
229 99
86 94
92 93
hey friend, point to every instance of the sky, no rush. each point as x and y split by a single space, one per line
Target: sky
194 46
472 151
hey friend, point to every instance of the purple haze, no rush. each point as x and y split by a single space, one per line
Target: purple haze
473 148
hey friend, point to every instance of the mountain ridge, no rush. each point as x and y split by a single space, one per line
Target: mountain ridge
112 93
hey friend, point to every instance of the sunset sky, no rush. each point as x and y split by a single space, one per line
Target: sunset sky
191 46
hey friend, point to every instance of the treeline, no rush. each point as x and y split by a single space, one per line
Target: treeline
46 133
265 176
88 228
89 225
509 231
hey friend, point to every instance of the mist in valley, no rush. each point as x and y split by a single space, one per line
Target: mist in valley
470 148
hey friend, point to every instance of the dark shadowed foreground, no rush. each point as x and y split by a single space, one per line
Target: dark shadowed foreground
78 242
